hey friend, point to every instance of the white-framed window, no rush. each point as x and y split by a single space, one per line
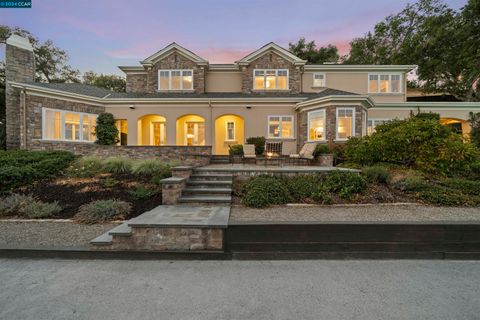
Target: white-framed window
319 80
270 79
316 125
280 127
181 79
230 127
384 83
66 125
373 123
345 123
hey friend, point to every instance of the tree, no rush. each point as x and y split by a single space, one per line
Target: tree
308 51
105 130
474 120
110 82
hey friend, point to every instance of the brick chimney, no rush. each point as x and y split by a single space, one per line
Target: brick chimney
19 67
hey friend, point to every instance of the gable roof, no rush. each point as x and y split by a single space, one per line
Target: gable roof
284 53
174 47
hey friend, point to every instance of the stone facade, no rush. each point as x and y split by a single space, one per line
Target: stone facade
331 119
136 82
272 60
20 67
172 189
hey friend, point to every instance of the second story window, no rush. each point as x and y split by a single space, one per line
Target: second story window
175 79
384 83
270 79
319 80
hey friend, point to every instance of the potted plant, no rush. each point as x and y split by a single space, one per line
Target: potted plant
236 153
323 156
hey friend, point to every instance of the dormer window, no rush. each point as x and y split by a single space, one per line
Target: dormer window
270 79
319 80
175 80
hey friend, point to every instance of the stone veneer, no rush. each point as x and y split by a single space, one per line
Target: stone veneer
272 60
136 82
331 118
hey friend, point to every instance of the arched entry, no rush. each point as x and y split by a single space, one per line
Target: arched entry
229 130
190 130
457 125
152 130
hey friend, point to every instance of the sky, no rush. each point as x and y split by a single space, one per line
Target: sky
103 34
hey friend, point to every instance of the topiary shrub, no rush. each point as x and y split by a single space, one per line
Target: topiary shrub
321 149
106 131
85 167
259 143
377 173
264 191
102 211
117 165
235 150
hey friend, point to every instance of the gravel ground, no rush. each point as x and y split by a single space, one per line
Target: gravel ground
410 212
43 234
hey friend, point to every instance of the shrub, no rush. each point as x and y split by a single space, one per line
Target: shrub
110 182
141 192
376 174
263 191
322 196
346 184
465 186
414 183
443 196
18 168
38 209
152 168
102 211
105 130
259 143
474 119
302 186
321 149
235 150
117 165
85 167
27 206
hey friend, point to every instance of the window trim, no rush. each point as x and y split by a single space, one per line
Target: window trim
324 126
324 80
170 80
390 74
62 125
292 117
375 120
226 131
276 79
337 138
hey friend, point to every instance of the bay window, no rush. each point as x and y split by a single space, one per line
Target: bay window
175 79
316 125
270 79
280 127
384 83
68 125
345 123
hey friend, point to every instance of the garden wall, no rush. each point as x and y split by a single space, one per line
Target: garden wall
188 155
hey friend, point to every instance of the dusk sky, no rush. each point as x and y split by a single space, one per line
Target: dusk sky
100 35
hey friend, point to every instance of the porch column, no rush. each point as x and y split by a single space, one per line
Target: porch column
171 131
132 123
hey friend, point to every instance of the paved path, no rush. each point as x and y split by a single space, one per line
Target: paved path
57 289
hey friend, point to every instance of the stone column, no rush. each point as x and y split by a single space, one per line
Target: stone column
172 189
182 171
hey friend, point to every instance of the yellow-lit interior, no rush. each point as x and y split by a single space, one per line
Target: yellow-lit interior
221 141
190 130
149 128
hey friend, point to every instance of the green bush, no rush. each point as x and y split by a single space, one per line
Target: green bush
152 168
322 197
106 131
302 186
110 182
259 143
376 174
141 192
440 195
264 191
419 141
346 184
321 149
19 168
85 167
235 150
27 206
465 186
414 183
117 165
102 211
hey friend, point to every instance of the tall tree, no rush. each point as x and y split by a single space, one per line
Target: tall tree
110 82
309 51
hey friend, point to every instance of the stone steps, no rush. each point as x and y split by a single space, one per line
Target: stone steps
207 187
211 177
200 190
200 198
220 159
209 183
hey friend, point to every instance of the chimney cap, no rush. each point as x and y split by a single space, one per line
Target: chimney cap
20 42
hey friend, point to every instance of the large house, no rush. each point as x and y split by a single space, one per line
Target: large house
176 98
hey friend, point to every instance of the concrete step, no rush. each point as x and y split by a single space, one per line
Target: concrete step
226 199
211 177
103 240
208 183
122 230
197 190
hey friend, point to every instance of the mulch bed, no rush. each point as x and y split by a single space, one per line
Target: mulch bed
71 193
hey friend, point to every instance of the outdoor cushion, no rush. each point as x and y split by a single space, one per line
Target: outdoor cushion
249 156
249 151
296 156
303 150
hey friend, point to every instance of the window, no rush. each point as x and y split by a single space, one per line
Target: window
280 126
319 80
270 79
316 125
345 123
230 131
68 125
372 123
384 83
122 127
175 79
159 134
195 133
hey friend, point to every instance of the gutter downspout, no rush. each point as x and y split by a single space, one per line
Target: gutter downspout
212 125
23 107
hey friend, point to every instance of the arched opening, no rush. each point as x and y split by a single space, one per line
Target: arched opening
190 130
229 130
152 130
457 125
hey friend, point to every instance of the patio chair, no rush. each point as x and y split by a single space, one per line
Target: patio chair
249 152
305 154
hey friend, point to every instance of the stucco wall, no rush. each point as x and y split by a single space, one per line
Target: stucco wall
223 81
